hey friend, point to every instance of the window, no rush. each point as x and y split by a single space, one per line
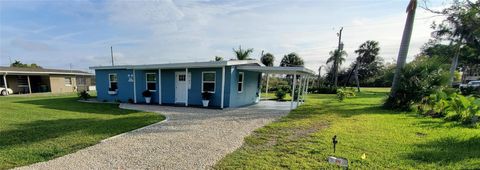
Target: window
113 85
240 82
151 81
208 82
68 81
81 81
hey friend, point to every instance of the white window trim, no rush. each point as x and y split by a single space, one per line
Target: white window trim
146 81
71 81
214 81
243 80
110 81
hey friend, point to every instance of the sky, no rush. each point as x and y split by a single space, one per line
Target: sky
78 34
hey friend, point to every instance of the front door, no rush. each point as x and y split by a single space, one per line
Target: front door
180 85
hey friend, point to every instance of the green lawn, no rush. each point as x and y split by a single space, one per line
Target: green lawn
271 96
42 127
389 139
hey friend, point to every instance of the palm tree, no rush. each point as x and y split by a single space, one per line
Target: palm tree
291 60
337 57
402 54
367 54
267 60
218 58
243 54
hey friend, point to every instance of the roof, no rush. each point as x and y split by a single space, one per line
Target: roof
278 70
39 71
182 65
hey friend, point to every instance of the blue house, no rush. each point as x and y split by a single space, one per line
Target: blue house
232 83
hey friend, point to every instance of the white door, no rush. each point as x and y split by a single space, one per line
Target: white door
180 85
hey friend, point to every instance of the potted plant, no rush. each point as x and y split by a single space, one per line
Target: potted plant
148 96
112 91
206 96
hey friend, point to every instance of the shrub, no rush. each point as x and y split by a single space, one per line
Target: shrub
475 91
84 95
451 105
463 109
323 90
418 79
280 94
206 95
147 93
343 93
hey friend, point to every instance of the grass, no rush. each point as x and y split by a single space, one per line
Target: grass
389 139
38 128
271 96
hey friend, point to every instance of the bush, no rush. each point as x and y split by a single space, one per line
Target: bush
147 93
280 94
343 93
451 105
418 79
323 90
470 91
84 95
206 96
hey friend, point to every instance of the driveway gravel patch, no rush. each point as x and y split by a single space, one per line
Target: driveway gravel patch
190 138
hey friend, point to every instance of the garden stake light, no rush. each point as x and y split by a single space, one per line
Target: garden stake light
334 141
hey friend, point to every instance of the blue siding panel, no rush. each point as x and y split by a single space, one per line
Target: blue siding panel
232 97
125 91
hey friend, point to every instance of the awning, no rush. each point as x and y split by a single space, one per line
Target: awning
278 70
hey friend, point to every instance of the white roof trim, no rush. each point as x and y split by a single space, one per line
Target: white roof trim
181 65
43 73
278 70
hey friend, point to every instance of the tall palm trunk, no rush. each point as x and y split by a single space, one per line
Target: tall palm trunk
335 73
455 62
402 54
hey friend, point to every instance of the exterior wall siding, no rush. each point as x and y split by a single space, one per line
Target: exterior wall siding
232 98
125 91
250 88
57 84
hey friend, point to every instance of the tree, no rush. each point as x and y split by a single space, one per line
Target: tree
242 54
20 64
368 64
291 60
337 57
218 58
402 54
267 60
461 27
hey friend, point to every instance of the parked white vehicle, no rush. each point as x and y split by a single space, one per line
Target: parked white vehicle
474 84
5 91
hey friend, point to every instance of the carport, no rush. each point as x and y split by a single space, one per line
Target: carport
300 79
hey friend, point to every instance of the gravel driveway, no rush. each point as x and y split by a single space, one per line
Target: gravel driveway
190 138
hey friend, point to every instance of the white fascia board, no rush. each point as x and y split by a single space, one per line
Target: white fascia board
278 70
181 65
43 73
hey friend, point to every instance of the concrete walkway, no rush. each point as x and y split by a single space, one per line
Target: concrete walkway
190 138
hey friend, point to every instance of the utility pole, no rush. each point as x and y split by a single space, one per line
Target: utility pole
70 67
111 52
335 63
319 76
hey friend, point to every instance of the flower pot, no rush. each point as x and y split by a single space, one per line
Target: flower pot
205 103
147 100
